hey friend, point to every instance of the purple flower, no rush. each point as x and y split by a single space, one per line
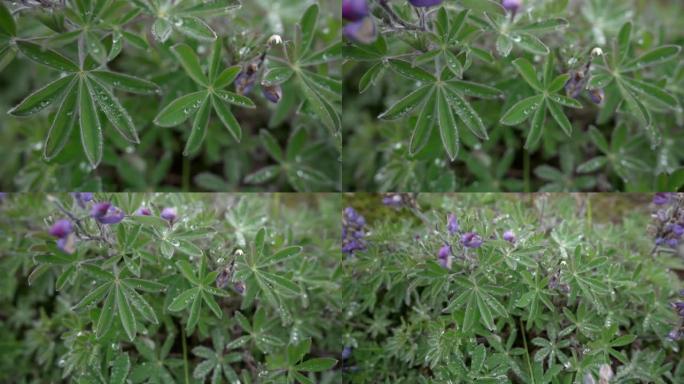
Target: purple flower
169 214
471 240
444 256
425 3
106 213
346 352
678 230
244 82
661 198
354 10
511 5
393 200
674 335
61 228
509 236
272 93
452 224
597 95
142 211
82 198
353 231
239 287
362 31
672 243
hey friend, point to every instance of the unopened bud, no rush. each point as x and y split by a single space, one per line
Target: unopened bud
275 40
596 52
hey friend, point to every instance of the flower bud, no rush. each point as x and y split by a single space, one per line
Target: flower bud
425 3
61 228
239 287
346 352
452 224
142 211
169 214
509 236
244 82
272 93
275 40
106 213
82 198
471 240
511 5
354 10
444 251
597 95
362 31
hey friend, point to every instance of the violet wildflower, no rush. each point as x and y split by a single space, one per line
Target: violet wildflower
444 256
106 213
354 10
511 6
62 230
661 198
272 93
674 335
222 278
353 231
452 224
471 240
82 198
678 230
362 31
597 95
509 236
425 3
239 287
244 82
143 211
393 200
346 352
169 214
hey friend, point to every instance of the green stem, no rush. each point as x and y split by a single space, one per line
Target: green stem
526 170
185 357
527 351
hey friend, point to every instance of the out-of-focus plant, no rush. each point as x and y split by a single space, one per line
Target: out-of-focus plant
132 67
160 288
498 288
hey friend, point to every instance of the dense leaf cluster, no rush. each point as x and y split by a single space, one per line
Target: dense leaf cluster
514 96
92 87
226 288
560 290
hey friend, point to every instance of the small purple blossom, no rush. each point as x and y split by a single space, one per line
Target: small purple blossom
61 228
169 214
362 31
239 287
346 352
106 213
272 93
444 256
143 211
597 95
511 5
393 200
509 236
353 231
244 82
425 3
678 230
674 335
471 240
452 224
661 198
354 10
82 198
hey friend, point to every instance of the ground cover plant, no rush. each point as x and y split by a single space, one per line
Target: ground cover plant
512 95
508 288
169 288
170 94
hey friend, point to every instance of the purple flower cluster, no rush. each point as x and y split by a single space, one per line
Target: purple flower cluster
353 231
471 240
106 213
63 231
360 27
678 332
669 219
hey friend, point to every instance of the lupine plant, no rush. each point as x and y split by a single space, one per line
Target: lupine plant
502 288
451 95
169 288
99 93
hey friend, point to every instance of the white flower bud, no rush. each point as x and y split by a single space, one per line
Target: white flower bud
275 40
597 52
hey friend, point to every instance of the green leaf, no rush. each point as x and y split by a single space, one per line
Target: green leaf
194 314
320 107
474 89
189 248
227 77
91 130
227 118
405 69
181 301
263 175
528 73
485 314
277 75
424 124
212 304
161 29
271 144
186 270
522 110
447 125
235 99
125 314
623 40
210 8
453 63
504 45
558 83
623 340
140 304
404 106
180 109
635 107
7 24
537 127
653 57
648 89
319 364
544 26
592 165
308 26
530 43
548 173
195 28
202 369
470 313
467 114
199 128
120 368
598 139
104 322
559 116
116 114
144 285
46 57
190 62
95 296
565 101
126 82
42 98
